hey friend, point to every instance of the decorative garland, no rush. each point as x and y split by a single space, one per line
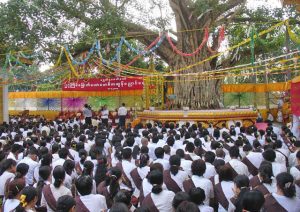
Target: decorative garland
175 49
292 35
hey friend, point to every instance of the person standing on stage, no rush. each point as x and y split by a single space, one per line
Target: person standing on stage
122 112
104 115
87 112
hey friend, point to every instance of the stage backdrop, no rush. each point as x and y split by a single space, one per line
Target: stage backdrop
105 84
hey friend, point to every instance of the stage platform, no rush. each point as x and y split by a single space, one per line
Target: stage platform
246 116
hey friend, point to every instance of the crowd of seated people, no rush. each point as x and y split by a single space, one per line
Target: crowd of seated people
69 166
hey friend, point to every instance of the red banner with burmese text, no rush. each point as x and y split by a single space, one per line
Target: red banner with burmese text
104 84
295 98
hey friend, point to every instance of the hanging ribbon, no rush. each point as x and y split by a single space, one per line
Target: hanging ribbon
292 35
143 53
221 38
146 49
70 64
252 46
204 41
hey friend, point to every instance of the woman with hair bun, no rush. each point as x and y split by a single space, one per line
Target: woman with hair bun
285 197
55 190
28 200
175 177
264 181
158 199
110 187
13 195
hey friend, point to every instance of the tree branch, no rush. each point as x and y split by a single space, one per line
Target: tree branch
164 51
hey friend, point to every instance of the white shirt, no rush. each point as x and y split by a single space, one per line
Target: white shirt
87 112
104 114
94 202
290 204
57 192
186 166
147 187
3 179
255 158
163 200
127 168
278 168
239 167
210 171
179 178
11 204
122 111
32 165
227 188
12 156
270 117
163 162
206 185
59 162
295 173
205 208
293 159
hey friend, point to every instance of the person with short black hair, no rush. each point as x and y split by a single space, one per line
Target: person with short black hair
197 180
93 202
253 201
209 158
87 113
31 161
125 197
223 190
156 200
270 155
241 186
159 153
238 167
190 148
185 164
122 113
285 198
66 203
179 198
63 155
16 149
292 156
197 196
119 207
186 206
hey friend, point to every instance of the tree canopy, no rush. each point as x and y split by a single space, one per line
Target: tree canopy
39 25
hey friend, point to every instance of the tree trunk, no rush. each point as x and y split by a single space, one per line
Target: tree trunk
193 93
201 94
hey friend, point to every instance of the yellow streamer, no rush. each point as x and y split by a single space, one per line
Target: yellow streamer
70 64
292 35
